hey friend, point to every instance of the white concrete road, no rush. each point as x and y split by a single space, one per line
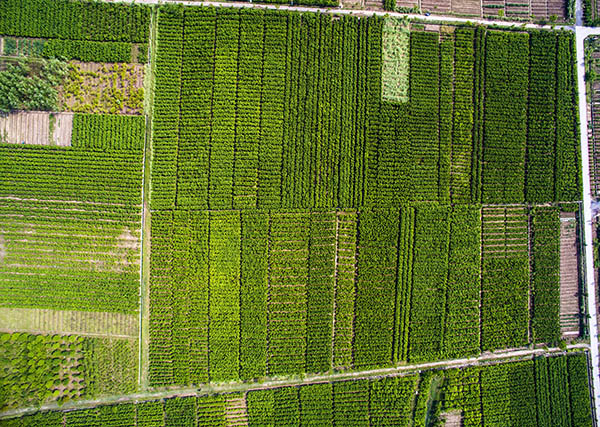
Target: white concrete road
165 393
581 33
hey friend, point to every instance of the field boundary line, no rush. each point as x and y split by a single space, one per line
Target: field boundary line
144 316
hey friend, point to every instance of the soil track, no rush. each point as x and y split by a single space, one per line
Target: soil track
569 277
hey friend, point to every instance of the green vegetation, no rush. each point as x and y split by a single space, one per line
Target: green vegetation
513 393
394 74
110 89
36 369
316 133
70 224
546 274
267 283
325 193
88 51
31 85
108 133
75 20
523 393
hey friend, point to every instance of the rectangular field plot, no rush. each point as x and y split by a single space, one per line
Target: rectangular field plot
36 369
306 111
70 223
84 323
35 128
283 292
531 392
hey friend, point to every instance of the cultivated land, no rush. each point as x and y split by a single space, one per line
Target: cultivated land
269 217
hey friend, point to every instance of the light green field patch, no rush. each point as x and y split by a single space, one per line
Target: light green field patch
396 60
94 324
111 366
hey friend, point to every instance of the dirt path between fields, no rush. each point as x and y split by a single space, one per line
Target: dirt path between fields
486 359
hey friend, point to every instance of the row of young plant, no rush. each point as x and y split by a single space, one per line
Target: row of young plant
108 132
406 286
314 133
568 155
39 369
72 229
166 107
541 119
87 51
51 173
505 278
545 391
75 20
509 393
179 298
505 127
463 116
546 275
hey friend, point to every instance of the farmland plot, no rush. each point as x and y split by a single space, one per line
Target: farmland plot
70 243
320 133
520 393
311 290
90 262
103 88
35 128
39 369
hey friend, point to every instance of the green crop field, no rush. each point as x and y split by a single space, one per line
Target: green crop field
514 393
270 217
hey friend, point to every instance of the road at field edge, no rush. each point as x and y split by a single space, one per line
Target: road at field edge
581 33
487 358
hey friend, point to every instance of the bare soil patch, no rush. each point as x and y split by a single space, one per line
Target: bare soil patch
466 7
569 276
37 127
63 128
452 419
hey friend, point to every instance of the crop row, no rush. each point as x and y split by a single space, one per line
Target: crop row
505 278
278 292
278 109
75 20
510 393
546 274
108 132
87 51
70 228
545 391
